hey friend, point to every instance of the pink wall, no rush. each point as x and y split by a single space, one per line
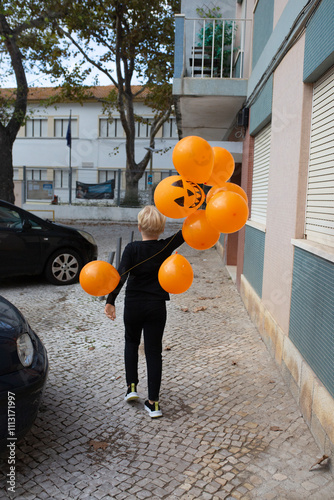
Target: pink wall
291 114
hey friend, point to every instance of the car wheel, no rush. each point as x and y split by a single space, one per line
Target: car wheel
63 267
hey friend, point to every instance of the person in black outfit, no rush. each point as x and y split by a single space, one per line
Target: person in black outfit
145 303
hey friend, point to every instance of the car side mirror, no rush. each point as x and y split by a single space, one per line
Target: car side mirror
26 225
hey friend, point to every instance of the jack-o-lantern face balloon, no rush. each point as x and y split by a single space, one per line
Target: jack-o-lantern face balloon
177 198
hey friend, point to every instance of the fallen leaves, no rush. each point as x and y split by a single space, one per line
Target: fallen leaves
98 444
198 309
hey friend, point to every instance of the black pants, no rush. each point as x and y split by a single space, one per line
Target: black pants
149 317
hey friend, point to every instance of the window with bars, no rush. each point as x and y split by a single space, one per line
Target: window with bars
60 126
319 220
36 127
261 164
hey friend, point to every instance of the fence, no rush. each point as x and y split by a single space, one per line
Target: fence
88 186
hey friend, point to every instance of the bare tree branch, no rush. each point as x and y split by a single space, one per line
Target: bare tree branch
86 56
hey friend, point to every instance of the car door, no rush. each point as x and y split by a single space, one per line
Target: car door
20 246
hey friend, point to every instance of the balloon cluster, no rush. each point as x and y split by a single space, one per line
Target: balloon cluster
181 196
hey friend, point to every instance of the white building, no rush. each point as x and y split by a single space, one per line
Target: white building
41 154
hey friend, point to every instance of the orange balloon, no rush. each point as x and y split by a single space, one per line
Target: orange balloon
99 278
193 159
227 211
223 167
227 186
175 274
197 231
176 198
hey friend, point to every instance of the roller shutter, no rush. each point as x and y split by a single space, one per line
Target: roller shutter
320 193
260 175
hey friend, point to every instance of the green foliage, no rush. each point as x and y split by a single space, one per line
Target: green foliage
68 41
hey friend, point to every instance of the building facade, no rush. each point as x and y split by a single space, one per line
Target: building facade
278 98
42 159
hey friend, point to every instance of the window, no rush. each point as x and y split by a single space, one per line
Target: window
36 127
114 128
169 128
106 175
61 125
261 175
34 174
109 128
61 178
319 224
143 129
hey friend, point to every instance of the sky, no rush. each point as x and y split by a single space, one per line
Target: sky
42 80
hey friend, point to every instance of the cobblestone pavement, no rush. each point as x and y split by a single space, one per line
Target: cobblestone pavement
230 428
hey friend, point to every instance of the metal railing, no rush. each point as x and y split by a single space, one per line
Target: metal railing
47 189
214 47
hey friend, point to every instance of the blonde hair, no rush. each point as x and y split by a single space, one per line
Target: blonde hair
151 221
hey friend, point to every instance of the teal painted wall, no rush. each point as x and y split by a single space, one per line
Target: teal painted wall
312 314
263 27
254 258
260 113
319 42
178 47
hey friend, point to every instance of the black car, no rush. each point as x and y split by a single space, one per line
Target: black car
23 375
30 245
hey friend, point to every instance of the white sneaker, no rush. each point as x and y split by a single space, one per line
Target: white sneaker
153 410
131 394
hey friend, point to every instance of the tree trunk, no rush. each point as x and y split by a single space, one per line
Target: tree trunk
8 132
131 198
6 170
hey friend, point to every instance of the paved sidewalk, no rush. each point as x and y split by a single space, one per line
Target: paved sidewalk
230 430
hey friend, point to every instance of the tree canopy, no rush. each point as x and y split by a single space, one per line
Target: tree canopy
69 41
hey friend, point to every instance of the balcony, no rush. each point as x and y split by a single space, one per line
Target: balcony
210 74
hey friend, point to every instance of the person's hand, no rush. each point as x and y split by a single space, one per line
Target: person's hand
110 311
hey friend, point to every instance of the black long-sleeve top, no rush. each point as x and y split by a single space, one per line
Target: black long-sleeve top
140 265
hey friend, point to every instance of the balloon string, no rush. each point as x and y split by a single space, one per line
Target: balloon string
149 258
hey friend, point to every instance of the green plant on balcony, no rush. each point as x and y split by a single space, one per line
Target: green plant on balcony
218 34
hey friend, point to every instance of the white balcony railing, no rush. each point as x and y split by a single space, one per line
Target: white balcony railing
213 48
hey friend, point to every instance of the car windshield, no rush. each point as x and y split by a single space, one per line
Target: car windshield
10 316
